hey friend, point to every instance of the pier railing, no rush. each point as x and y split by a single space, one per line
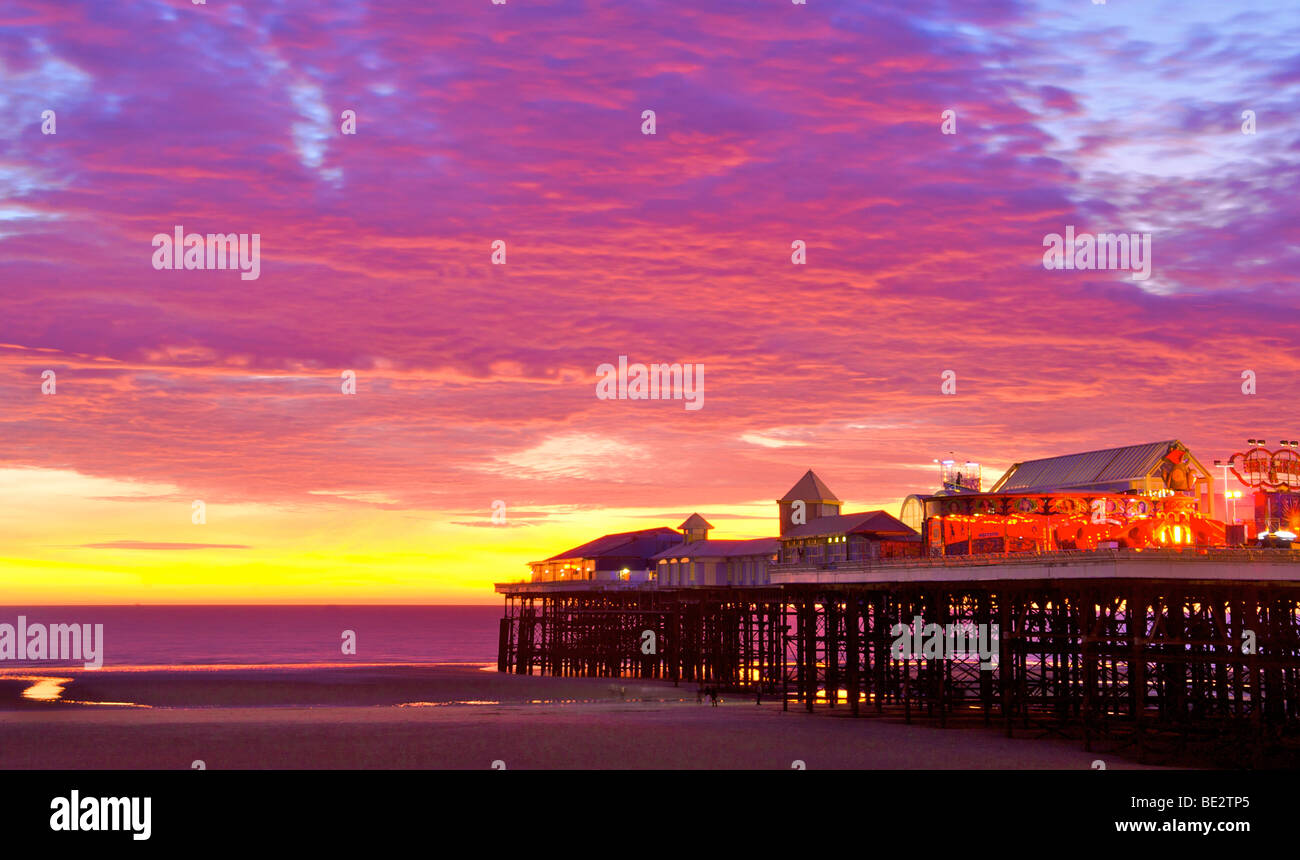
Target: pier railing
1191 555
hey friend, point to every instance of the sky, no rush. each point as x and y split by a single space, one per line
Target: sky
523 122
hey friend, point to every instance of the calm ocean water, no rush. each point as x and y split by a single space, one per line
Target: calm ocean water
234 635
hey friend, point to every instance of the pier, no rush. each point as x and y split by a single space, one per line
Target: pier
1158 652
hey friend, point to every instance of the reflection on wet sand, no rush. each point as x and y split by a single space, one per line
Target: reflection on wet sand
47 689
298 686
43 689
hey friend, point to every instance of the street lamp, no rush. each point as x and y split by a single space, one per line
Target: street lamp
1233 496
1230 496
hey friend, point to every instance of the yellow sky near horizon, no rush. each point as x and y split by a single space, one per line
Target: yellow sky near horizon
76 539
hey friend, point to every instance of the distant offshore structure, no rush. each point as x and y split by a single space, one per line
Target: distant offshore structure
1120 608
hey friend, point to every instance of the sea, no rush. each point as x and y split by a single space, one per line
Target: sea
149 636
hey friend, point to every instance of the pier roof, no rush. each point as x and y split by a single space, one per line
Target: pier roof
721 549
868 522
639 543
1112 469
810 488
695 521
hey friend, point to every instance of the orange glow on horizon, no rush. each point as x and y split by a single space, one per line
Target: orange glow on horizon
84 540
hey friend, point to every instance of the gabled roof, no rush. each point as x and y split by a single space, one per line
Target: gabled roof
695 521
721 549
1109 469
809 489
869 522
639 543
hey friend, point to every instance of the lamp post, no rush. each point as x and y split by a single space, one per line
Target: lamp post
1227 495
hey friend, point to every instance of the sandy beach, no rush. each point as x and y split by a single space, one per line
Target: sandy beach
461 717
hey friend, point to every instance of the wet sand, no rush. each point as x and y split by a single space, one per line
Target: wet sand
463 717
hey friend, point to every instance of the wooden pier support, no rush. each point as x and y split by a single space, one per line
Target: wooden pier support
1144 665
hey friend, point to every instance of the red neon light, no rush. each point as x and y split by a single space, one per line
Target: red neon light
1261 468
